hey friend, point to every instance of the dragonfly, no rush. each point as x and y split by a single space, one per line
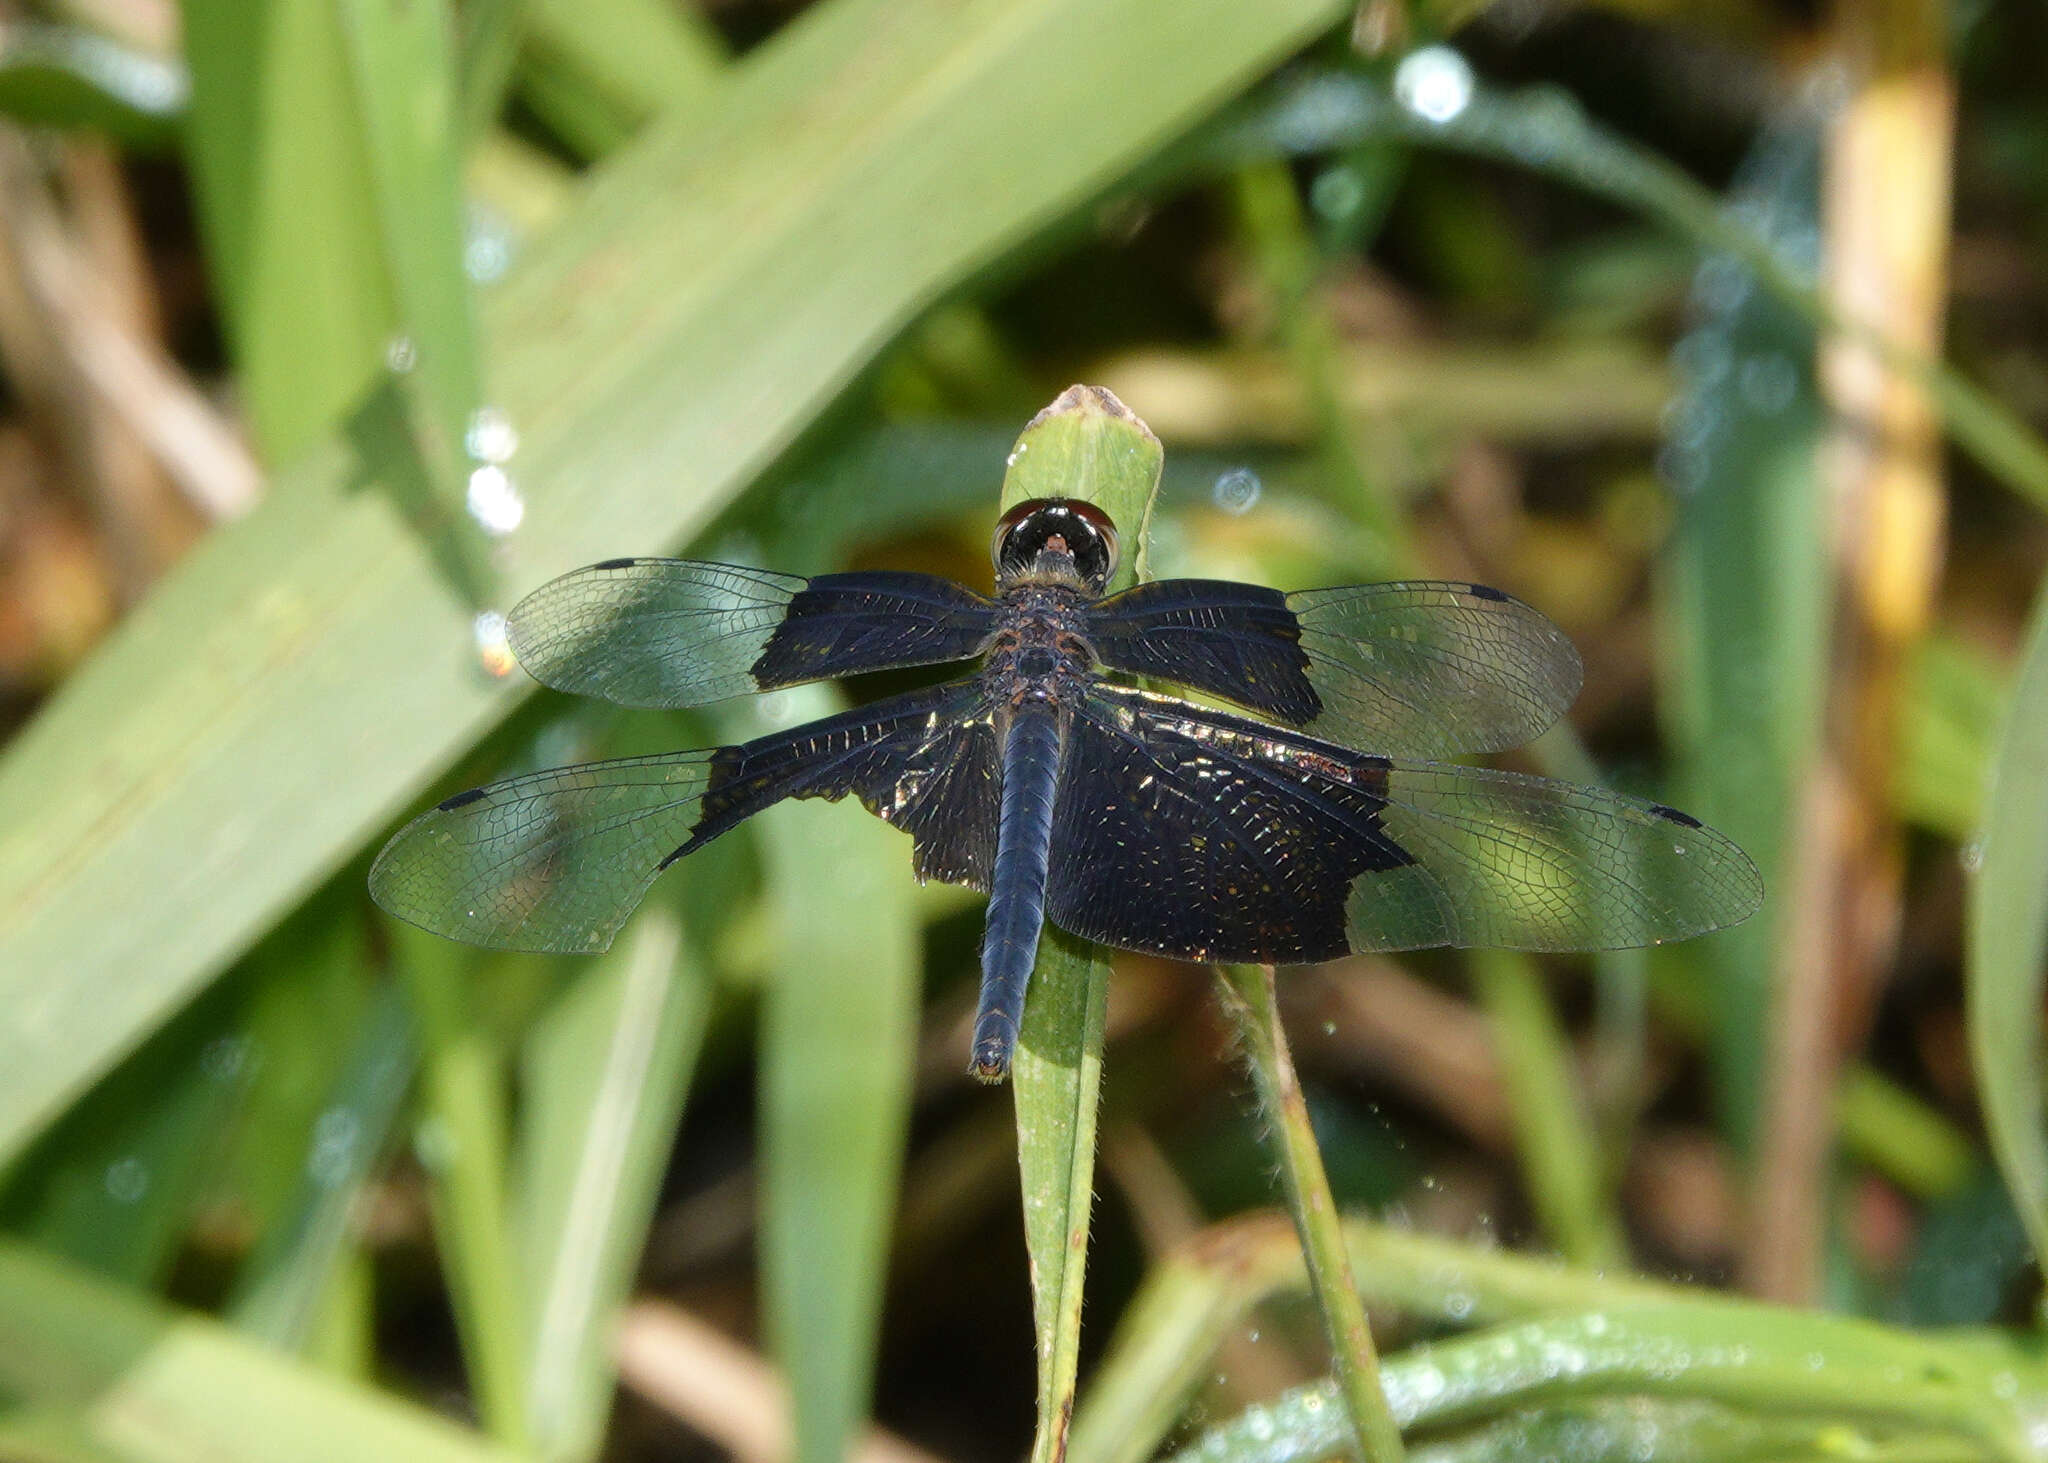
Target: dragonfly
1317 819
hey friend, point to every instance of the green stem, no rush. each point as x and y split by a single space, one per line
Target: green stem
1248 995
1560 1155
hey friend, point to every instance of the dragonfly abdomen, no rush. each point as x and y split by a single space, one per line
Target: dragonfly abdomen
1016 905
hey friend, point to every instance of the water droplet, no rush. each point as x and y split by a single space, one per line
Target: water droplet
490 436
1329 1028
776 708
1683 469
1237 491
1596 1324
1767 383
336 1134
127 1180
1458 1305
486 245
494 500
1427 1384
493 645
401 355
1971 854
1258 1422
1435 83
1337 192
225 1058
1722 283
1703 358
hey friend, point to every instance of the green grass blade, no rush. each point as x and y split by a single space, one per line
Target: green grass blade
1746 608
838 1049
605 1072
2006 961
1370 1433
70 77
464 1102
307 671
285 1283
153 1386
1086 445
113 1187
627 60
403 65
1554 1137
285 196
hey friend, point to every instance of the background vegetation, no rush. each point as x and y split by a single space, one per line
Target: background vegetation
329 326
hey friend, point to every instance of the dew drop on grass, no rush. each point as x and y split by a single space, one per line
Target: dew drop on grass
401 355
336 1134
490 436
1767 383
1337 192
1435 83
493 646
494 500
1237 491
127 1180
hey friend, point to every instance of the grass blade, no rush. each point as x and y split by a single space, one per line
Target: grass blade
2006 962
706 300
153 1386
404 70
605 1073
275 144
838 1049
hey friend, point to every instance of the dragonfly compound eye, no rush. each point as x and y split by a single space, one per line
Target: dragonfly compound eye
1063 525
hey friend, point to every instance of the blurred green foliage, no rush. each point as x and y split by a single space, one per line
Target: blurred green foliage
782 284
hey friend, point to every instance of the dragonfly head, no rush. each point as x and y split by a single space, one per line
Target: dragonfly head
1055 539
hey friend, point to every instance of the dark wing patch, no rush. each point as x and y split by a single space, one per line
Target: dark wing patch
840 624
1238 641
551 861
681 632
926 762
1205 837
1417 669
1194 833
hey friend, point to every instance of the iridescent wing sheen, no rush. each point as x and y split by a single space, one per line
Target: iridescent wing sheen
680 632
1418 669
1201 835
557 860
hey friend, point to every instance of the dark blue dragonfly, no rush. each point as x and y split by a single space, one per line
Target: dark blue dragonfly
1124 816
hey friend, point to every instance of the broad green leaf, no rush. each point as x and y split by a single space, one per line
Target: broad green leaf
403 66
605 1072
309 669
287 211
152 1385
2006 959
1086 445
838 1050
1746 609
113 1186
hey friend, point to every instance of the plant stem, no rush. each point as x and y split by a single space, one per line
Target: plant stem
1248 995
